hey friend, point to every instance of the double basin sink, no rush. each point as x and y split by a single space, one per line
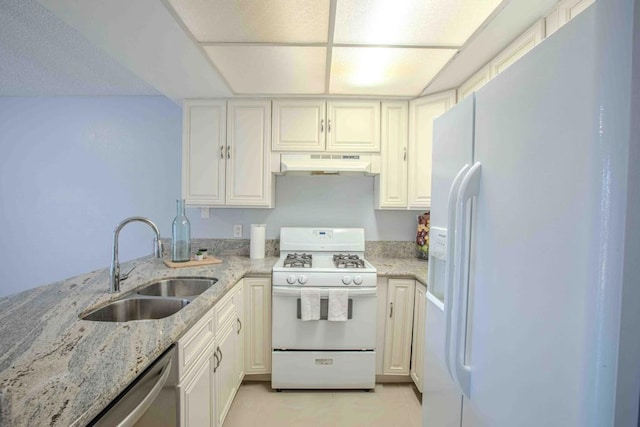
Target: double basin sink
156 300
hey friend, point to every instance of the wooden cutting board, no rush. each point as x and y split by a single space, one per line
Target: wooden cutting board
193 263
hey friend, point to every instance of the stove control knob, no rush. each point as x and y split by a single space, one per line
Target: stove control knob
357 280
291 279
302 279
346 280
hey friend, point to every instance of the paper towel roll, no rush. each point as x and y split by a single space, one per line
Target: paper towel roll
256 250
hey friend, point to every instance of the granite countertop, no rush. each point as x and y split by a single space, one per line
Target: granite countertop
58 370
412 268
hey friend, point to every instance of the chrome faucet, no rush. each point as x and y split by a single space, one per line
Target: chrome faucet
115 264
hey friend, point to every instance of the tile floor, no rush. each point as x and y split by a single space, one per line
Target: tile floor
396 405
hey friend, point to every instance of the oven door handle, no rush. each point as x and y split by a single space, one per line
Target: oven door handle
324 293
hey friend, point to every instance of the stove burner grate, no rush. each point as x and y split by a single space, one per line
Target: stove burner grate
348 261
298 260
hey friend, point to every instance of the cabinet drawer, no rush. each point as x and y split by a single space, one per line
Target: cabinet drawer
225 310
192 346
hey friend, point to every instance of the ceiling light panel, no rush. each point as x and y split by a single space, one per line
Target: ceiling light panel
271 70
258 21
410 22
385 71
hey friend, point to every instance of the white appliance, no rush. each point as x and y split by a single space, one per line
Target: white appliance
529 207
323 353
329 164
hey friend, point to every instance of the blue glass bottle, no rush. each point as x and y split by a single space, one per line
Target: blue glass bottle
181 233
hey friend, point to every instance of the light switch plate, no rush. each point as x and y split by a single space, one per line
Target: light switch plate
204 213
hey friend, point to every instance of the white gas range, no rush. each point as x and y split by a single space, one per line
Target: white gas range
325 267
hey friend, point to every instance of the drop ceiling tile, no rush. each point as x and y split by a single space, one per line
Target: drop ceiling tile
273 21
271 69
410 22
385 71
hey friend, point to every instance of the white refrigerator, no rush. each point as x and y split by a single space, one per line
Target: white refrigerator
527 238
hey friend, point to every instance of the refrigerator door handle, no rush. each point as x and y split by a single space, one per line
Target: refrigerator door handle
448 275
469 188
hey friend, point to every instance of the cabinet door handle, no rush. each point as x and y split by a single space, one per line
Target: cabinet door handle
405 154
329 125
222 152
239 325
391 311
215 356
228 151
321 125
220 355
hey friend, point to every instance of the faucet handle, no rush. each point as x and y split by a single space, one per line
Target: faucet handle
125 276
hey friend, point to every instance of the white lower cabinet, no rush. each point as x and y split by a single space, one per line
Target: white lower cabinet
226 371
257 354
229 342
196 362
238 301
196 392
210 363
417 348
234 339
398 327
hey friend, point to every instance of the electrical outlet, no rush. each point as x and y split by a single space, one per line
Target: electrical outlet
237 230
204 213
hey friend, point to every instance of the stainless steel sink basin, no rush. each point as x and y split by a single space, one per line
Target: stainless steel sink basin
129 309
184 287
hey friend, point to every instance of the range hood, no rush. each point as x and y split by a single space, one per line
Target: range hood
330 164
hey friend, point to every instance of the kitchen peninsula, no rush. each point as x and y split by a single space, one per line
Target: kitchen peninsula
58 370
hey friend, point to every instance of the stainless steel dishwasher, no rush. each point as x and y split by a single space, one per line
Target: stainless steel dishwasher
150 400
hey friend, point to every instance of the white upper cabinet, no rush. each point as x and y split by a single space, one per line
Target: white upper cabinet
391 183
317 125
225 154
299 125
203 152
566 11
353 126
422 112
249 179
474 83
516 50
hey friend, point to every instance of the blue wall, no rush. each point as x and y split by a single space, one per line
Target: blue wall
73 167
70 170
